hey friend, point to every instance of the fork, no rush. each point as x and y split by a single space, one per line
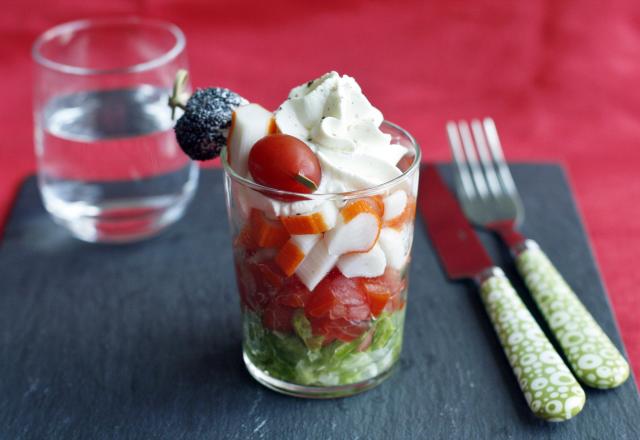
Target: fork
490 199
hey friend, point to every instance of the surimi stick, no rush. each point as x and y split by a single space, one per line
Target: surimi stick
393 244
267 233
367 264
357 228
406 216
316 265
294 251
320 220
394 205
249 123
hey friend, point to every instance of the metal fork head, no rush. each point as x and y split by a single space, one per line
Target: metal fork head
484 183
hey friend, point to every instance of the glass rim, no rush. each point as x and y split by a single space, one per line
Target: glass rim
89 23
323 196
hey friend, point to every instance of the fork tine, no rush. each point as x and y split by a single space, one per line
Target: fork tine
485 158
458 157
472 159
496 151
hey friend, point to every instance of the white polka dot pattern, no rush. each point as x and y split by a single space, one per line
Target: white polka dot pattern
550 389
591 354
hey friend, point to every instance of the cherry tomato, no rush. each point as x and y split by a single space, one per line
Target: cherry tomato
286 163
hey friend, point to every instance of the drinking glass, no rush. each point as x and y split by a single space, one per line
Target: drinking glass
109 167
312 328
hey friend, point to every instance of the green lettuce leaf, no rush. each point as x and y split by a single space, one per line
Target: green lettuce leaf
300 357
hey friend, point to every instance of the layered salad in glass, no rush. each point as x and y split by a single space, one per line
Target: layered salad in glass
321 197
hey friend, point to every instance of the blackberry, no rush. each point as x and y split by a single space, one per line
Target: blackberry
202 130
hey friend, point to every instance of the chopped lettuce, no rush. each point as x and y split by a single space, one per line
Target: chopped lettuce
300 358
302 327
385 329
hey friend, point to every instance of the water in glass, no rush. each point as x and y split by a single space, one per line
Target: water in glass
109 165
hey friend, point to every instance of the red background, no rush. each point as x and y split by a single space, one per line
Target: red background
560 77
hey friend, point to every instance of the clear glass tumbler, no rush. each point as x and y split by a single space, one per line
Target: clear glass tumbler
313 325
109 167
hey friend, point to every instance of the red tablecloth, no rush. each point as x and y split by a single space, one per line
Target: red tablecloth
560 78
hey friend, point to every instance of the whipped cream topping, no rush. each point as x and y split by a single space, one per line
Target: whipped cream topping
332 115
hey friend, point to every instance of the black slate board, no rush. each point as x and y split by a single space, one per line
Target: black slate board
143 341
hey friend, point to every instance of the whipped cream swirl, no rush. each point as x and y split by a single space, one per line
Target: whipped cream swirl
332 115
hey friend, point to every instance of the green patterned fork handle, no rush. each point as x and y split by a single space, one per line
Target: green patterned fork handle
591 354
551 391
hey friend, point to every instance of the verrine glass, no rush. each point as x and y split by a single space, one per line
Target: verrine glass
313 324
109 167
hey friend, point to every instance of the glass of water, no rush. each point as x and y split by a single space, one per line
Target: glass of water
109 167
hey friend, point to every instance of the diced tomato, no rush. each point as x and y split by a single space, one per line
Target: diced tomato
378 301
263 288
338 308
385 292
319 305
245 239
340 329
349 330
259 280
358 312
267 276
338 297
278 317
293 293
244 287
253 298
